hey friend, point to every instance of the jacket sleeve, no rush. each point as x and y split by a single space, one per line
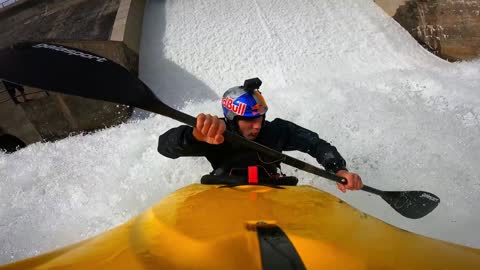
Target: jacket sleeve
179 141
302 139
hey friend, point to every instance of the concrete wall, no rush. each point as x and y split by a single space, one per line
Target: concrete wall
57 19
448 28
128 23
83 24
390 6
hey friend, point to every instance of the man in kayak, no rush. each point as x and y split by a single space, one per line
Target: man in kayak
244 109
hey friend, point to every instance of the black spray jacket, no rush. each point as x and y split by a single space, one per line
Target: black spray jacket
280 135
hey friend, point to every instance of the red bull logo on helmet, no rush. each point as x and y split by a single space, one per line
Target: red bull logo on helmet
238 109
258 109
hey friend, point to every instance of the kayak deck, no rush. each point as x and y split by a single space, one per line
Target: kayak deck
216 227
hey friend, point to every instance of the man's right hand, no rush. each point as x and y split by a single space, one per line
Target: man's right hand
209 129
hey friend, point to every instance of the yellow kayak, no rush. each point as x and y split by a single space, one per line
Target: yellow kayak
255 227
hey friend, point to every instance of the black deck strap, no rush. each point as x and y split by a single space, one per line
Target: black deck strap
270 186
242 180
277 252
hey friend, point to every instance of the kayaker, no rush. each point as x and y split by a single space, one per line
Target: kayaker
244 110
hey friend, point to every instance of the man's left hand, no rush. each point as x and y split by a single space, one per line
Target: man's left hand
354 182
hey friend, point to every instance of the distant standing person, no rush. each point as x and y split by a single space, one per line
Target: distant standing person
11 89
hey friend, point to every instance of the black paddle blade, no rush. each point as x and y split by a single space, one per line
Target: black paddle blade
411 204
73 72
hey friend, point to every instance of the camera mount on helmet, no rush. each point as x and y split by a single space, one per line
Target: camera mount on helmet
252 84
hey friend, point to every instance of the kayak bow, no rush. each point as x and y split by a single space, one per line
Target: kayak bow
240 227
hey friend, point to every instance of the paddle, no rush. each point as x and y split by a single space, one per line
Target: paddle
74 72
